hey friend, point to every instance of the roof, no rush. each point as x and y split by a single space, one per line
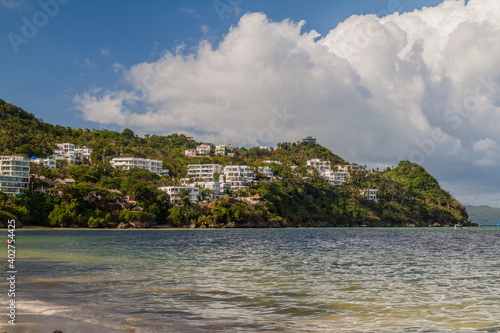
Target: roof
47 181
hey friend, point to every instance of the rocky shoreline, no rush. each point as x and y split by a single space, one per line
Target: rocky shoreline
250 225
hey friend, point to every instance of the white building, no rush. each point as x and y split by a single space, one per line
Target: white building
190 152
266 148
84 152
238 176
49 163
324 168
272 162
128 163
217 189
204 171
176 193
349 168
220 150
266 171
203 150
67 151
372 194
319 165
335 178
14 174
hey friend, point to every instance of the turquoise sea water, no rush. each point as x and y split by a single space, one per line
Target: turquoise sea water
273 280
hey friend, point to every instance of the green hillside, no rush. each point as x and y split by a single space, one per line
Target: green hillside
483 215
408 195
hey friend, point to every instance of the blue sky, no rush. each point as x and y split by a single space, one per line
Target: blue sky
419 81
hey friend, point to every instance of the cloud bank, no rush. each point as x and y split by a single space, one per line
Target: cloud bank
421 85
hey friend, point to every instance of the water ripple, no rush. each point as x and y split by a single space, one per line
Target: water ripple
300 280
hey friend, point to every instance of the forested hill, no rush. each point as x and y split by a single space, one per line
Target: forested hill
22 133
407 194
484 215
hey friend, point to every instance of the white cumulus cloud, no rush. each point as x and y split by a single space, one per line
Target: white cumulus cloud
421 85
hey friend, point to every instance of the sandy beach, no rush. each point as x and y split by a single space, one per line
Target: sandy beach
39 323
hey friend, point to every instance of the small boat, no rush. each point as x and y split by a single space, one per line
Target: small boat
458 226
498 224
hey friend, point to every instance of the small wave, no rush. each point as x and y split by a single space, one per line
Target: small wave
110 321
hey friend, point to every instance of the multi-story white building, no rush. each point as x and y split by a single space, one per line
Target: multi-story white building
204 171
14 174
49 163
67 151
190 152
176 193
319 165
220 150
372 194
238 176
203 150
266 171
128 163
335 178
217 189
324 168
84 152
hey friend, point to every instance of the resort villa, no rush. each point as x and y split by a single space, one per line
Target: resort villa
128 163
176 193
70 153
204 171
238 176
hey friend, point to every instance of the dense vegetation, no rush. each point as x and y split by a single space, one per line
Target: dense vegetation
484 215
408 195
